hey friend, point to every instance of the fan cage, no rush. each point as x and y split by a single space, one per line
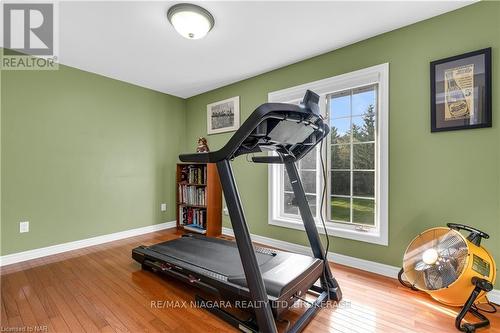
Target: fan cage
452 255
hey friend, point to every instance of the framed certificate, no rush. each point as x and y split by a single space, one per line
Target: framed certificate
461 91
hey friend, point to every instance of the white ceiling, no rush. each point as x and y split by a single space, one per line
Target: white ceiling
134 42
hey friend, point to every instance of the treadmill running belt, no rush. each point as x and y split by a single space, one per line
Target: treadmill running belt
217 255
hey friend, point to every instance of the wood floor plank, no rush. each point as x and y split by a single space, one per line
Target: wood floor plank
107 329
13 316
64 310
10 305
97 317
69 309
14 282
101 289
100 313
3 314
32 290
118 308
59 325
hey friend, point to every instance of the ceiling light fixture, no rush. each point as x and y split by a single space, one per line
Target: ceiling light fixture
190 21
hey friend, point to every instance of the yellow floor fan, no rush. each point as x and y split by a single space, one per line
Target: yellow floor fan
453 269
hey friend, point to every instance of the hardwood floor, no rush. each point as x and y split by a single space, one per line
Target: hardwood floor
101 289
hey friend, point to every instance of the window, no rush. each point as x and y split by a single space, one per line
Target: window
355 155
352 115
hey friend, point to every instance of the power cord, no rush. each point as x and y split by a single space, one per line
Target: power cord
323 195
493 308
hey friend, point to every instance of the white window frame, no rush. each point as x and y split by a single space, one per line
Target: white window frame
379 75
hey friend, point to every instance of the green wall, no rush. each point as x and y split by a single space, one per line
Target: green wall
434 178
84 155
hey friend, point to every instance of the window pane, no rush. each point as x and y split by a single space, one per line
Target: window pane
363 183
363 128
341 209
363 211
363 99
309 161
340 130
288 208
340 105
308 179
364 156
341 182
311 199
341 156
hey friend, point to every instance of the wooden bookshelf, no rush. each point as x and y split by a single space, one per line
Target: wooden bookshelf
202 196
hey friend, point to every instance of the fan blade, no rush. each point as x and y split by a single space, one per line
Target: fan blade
421 266
431 278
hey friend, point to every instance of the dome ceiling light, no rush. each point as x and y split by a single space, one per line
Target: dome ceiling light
190 21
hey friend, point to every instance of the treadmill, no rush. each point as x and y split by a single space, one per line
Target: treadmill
270 280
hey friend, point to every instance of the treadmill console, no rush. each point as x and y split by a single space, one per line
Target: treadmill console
311 102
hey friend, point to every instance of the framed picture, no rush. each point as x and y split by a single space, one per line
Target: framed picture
461 91
223 116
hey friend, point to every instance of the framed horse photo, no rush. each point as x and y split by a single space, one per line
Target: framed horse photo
461 92
223 116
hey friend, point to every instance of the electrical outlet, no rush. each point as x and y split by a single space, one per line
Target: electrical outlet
163 207
24 226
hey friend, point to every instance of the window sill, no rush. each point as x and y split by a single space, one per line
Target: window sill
374 236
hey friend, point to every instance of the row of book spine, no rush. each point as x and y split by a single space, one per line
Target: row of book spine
195 174
192 195
193 216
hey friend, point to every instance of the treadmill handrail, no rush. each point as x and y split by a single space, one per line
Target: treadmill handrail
280 111
232 145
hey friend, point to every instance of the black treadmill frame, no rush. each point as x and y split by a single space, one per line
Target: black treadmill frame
250 138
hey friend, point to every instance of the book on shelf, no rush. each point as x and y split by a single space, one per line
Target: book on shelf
194 174
193 217
192 195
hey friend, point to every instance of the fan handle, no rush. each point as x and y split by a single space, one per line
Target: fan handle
475 234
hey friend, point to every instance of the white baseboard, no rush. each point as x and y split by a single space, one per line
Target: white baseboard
365 265
59 248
